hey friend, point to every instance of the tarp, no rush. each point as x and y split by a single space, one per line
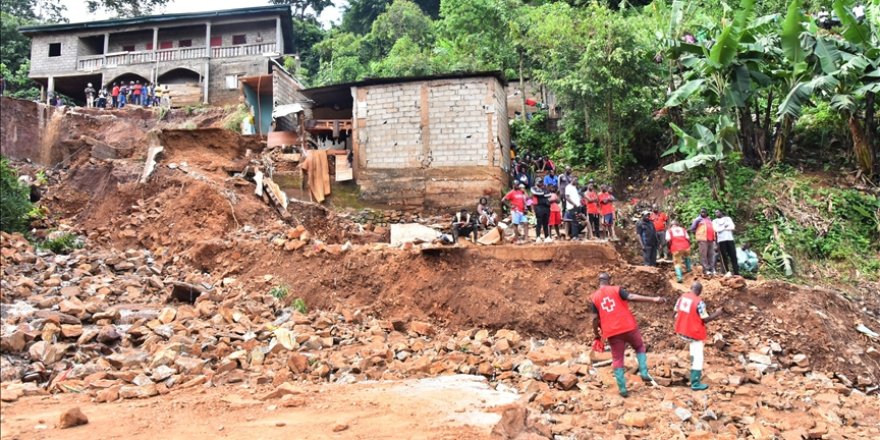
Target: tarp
412 233
318 170
286 109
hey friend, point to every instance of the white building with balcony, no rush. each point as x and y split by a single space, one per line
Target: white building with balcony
205 57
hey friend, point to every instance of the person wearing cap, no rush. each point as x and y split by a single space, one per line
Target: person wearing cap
690 323
516 201
659 218
647 238
90 95
613 320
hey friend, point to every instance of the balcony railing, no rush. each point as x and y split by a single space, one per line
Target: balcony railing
93 62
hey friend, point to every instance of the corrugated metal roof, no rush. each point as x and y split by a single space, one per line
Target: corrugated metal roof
497 74
283 10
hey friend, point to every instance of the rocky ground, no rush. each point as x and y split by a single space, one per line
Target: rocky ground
196 310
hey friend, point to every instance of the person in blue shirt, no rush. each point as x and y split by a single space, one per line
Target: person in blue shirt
550 179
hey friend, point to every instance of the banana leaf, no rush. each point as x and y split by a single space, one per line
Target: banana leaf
680 95
790 37
853 31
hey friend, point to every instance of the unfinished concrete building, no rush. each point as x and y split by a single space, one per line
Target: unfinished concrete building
435 142
202 56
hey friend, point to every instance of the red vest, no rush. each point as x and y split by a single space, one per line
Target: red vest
687 319
606 206
614 315
592 202
678 239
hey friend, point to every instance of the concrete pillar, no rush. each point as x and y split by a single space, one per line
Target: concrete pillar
51 89
106 47
206 78
208 39
155 39
279 36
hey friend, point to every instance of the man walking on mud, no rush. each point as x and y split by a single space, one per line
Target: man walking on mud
617 324
690 324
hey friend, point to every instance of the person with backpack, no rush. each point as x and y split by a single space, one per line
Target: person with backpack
704 232
123 94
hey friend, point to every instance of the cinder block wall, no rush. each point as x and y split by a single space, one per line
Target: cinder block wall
42 64
437 143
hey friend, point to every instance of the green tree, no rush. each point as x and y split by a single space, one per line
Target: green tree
15 201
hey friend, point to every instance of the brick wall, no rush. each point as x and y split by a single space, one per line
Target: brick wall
42 64
285 90
433 143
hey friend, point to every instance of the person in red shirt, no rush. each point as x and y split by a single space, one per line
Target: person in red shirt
680 247
516 202
612 315
114 94
659 218
591 198
690 324
136 92
555 211
606 210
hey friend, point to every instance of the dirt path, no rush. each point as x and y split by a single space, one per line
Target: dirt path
448 407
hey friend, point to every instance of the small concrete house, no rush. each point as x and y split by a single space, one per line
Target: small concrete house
437 142
203 56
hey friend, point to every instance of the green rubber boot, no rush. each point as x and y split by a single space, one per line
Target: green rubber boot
678 274
643 366
687 264
696 384
621 381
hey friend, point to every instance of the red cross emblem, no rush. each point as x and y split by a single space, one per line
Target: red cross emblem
608 304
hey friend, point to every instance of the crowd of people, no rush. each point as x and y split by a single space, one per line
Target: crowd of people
661 237
119 94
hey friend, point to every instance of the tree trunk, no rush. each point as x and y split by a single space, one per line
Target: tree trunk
608 147
719 173
766 125
871 126
747 136
781 144
522 87
861 147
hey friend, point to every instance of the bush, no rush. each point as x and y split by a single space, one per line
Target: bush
15 201
299 305
279 292
64 243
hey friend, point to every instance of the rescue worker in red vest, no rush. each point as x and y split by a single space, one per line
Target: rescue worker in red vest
690 324
680 247
618 325
704 232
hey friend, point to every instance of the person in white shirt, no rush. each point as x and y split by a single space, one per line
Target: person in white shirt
724 227
573 205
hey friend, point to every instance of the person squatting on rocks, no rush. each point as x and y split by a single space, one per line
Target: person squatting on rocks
659 218
704 232
648 239
486 216
90 95
463 224
680 247
612 316
724 228
516 199
690 323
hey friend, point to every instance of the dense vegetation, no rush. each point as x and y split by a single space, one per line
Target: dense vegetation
748 103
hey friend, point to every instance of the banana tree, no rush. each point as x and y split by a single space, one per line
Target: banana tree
859 81
705 147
